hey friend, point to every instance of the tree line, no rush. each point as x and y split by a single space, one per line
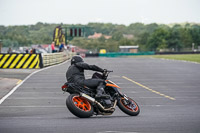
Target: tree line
149 37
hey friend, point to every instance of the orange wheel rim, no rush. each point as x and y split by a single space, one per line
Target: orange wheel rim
129 107
81 103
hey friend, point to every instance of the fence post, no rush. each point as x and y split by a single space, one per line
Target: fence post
0 45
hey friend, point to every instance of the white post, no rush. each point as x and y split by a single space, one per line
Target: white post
192 46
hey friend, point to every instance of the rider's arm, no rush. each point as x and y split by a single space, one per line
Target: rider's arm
89 67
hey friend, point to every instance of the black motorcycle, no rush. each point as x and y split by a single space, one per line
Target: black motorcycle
82 102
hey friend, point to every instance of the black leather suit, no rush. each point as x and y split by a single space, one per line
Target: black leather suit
75 74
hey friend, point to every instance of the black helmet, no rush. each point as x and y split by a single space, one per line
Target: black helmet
76 59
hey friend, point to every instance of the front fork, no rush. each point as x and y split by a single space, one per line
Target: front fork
128 102
125 97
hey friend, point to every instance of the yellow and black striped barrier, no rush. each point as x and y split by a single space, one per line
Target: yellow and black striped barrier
24 61
21 61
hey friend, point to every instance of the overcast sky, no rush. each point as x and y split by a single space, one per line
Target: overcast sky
20 12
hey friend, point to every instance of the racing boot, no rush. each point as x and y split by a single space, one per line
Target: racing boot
101 93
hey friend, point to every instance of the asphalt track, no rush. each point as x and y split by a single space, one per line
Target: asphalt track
167 91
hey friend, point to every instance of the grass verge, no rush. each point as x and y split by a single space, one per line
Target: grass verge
185 57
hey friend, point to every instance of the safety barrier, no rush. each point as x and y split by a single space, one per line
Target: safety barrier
125 54
20 61
55 58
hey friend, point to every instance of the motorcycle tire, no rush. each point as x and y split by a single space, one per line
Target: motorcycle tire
79 106
132 111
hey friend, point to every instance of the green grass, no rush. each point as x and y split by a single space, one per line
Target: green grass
185 57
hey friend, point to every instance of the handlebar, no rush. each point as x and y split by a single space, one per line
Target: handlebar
105 74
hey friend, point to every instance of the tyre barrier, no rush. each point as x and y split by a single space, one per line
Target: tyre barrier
20 61
26 61
55 58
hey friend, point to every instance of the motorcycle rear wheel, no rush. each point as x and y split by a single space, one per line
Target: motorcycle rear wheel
79 106
130 109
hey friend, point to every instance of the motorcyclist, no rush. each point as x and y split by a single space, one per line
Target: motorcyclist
75 74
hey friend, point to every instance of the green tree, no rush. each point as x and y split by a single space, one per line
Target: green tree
186 38
174 40
158 40
142 41
117 36
148 37
195 34
126 42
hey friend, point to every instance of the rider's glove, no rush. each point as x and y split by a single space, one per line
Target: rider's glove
105 71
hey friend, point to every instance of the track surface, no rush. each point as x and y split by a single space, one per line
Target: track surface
38 105
9 78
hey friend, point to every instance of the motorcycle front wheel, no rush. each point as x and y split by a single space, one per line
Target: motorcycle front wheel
129 107
79 106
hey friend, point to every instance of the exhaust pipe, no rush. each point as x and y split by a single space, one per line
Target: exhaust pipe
88 97
99 104
108 109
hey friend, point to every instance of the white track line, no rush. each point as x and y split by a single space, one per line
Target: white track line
15 88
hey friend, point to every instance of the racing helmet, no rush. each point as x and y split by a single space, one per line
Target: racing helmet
76 59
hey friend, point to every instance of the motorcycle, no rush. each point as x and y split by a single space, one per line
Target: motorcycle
82 102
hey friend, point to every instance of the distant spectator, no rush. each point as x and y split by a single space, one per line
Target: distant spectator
49 50
53 47
33 51
9 51
61 47
73 49
26 51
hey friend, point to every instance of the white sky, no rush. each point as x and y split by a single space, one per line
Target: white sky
19 12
